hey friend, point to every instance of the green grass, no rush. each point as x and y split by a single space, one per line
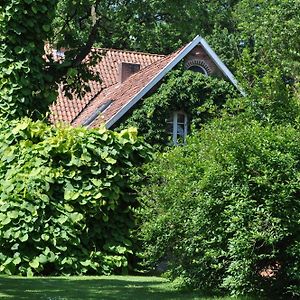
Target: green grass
110 287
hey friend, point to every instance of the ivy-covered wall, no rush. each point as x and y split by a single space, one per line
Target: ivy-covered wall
199 96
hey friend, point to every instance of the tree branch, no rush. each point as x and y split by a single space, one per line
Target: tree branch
85 50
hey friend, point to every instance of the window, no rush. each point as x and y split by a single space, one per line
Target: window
177 127
199 69
198 65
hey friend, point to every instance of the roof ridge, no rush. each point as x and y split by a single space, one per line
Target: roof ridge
164 57
140 70
129 51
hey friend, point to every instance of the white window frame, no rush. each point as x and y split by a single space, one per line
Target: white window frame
175 123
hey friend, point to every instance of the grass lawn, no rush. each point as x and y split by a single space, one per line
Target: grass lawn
110 287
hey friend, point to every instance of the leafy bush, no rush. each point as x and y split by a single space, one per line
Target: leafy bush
66 198
224 210
199 96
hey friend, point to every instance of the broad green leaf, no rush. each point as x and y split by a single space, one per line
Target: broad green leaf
6 221
13 214
29 273
45 237
69 208
110 160
46 28
86 263
42 259
21 126
76 217
15 246
62 219
24 238
34 263
17 261
2 217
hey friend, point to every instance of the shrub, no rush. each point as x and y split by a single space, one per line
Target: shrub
66 198
224 210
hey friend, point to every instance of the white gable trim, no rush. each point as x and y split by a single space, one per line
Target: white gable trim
189 47
211 53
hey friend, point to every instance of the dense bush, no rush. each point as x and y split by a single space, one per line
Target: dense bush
200 97
224 210
66 198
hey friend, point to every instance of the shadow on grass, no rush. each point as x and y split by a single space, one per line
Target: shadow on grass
91 288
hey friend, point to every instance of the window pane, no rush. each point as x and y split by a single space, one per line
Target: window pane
176 126
198 69
180 130
180 118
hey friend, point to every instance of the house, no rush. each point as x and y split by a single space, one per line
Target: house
127 77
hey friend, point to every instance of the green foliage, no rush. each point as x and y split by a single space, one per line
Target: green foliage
269 101
199 96
28 72
66 198
271 32
25 87
156 26
224 210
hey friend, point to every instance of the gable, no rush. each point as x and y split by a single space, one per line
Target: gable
112 99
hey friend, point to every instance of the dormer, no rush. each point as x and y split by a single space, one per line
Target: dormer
127 69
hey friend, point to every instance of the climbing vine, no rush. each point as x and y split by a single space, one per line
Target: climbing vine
199 96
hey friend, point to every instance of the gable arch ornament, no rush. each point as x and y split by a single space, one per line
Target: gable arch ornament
198 63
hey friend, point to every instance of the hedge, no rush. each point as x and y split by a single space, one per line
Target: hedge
223 211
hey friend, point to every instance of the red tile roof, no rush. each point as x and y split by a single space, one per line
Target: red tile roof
121 94
65 110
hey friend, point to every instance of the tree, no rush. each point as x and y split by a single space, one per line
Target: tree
25 87
143 25
270 33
